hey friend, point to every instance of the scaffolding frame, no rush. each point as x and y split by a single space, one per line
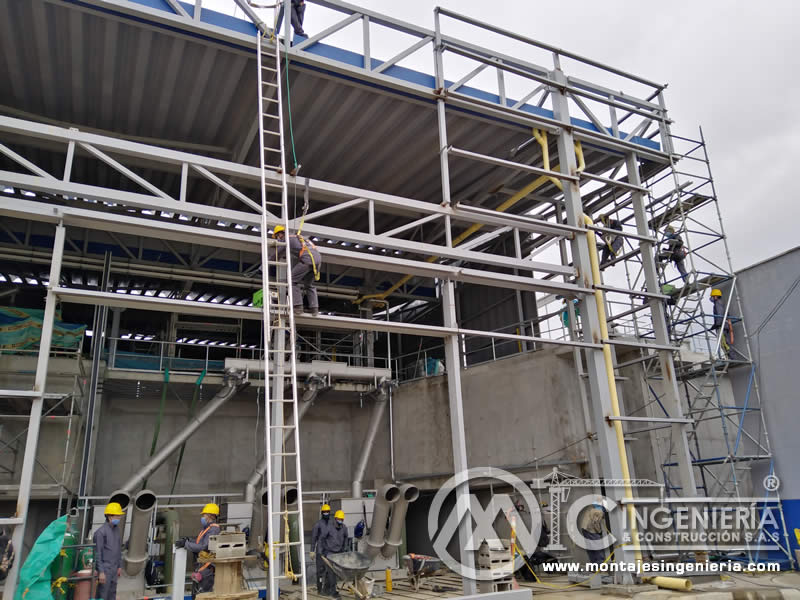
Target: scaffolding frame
568 109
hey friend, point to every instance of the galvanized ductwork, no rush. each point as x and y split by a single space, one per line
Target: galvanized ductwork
387 495
315 385
408 494
144 503
232 385
381 395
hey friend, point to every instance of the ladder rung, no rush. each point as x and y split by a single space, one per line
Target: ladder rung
276 151
284 512
269 69
265 99
283 453
270 116
280 544
268 132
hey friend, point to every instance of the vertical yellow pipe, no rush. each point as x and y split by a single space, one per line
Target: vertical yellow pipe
612 385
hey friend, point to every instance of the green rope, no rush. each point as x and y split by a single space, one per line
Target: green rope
195 396
289 107
160 416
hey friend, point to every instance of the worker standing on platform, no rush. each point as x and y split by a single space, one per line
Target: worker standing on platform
203 575
612 243
719 320
334 541
108 552
316 540
298 14
675 250
306 262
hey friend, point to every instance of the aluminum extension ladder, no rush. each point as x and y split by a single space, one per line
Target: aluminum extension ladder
282 439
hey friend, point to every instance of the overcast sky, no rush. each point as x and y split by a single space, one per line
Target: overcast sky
731 66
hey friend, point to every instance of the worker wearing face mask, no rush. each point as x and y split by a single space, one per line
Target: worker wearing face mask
334 541
108 552
316 539
203 574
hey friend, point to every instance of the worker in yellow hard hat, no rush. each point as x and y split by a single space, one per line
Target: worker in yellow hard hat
316 536
335 540
720 322
108 552
203 575
306 263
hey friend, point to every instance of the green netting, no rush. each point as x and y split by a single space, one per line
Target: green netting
34 576
21 329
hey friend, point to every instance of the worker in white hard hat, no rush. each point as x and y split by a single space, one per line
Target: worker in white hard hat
316 537
674 250
108 552
203 576
334 541
306 262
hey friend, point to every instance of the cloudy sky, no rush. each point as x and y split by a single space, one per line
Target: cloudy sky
731 66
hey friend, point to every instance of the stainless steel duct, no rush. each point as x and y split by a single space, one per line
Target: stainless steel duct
386 496
408 494
144 503
232 384
381 395
315 385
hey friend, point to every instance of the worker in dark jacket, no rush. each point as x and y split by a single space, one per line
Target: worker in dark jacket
674 250
726 339
334 541
298 14
612 243
306 262
316 537
203 574
108 552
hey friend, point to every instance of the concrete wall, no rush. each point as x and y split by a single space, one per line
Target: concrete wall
775 347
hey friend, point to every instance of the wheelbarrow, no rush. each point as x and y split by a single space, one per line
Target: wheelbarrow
351 568
420 566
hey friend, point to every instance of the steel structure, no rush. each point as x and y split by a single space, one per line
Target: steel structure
510 179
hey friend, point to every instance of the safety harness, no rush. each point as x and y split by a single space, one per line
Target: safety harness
197 541
308 247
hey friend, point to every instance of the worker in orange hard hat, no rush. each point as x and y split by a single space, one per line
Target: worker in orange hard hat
203 576
108 552
316 536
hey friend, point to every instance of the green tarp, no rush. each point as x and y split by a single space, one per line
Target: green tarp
21 329
34 576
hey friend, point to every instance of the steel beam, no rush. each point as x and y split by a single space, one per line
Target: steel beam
32 438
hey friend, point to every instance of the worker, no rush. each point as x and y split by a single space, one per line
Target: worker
203 575
675 250
334 541
612 243
565 311
316 538
306 262
298 14
593 527
720 322
108 552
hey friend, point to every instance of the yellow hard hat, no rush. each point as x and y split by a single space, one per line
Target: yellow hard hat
277 230
716 292
339 515
210 509
325 507
114 509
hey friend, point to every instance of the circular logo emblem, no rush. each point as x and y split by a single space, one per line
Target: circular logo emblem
772 483
471 524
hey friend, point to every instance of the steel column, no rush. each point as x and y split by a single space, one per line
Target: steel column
599 393
672 396
32 439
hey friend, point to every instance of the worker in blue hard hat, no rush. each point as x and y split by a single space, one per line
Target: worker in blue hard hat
306 262
108 552
203 575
